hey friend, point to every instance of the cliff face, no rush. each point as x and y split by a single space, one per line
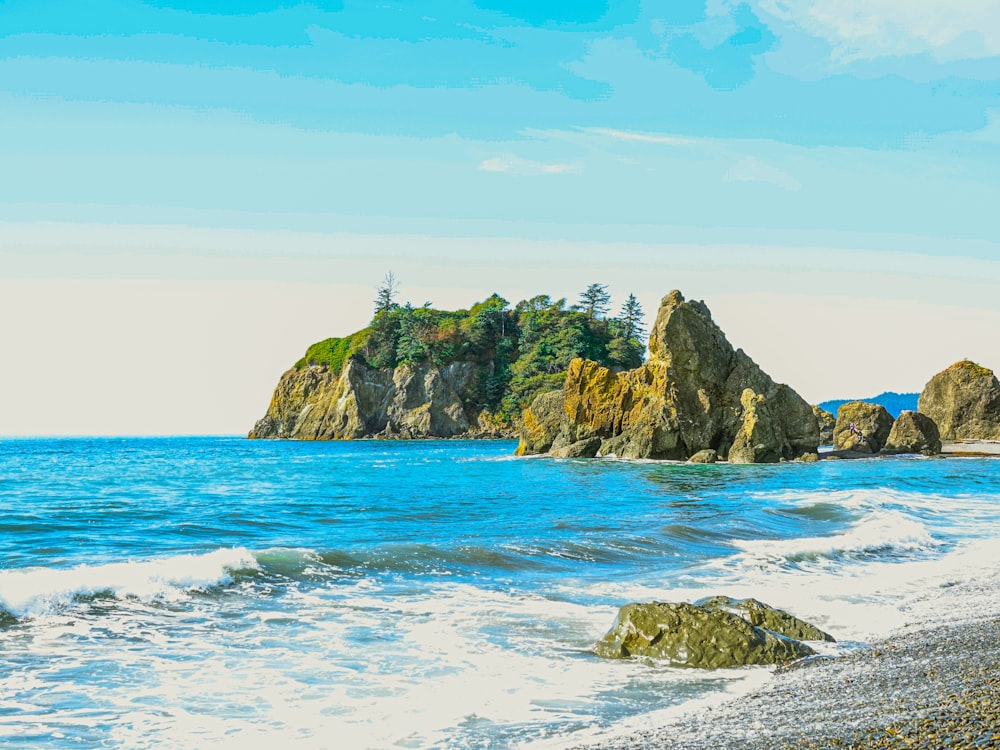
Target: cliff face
696 392
410 401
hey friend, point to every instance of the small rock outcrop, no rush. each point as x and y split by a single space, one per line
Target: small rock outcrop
699 636
695 393
826 422
410 401
707 456
964 402
765 616
872 425
540 423
913 432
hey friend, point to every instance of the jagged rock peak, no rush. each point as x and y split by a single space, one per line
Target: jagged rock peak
695 393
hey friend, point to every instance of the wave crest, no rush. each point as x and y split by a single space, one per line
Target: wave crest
39 591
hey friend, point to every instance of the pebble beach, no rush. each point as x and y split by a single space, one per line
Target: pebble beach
932 685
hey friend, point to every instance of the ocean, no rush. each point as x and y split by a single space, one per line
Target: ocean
219 592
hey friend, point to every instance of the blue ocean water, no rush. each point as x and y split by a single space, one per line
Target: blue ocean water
217 592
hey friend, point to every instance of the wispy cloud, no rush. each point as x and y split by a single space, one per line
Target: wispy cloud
516 165
866 29
751 169
629 135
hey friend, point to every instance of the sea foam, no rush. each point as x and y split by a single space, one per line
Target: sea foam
39 591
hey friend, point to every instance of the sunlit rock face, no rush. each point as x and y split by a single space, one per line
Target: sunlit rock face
410 401
964 402
695 393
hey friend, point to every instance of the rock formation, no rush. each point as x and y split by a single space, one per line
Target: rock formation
826 422
913 432
765 616
695 393
410 401
873 422
705 636
964 402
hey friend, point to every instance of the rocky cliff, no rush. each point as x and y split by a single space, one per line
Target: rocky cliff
409 401
696 392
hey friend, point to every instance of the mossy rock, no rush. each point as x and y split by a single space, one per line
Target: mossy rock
873 422
964 402
913 432
687 635
765 616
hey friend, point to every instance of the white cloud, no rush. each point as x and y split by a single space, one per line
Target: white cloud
866 29
516 165
750 169
628 135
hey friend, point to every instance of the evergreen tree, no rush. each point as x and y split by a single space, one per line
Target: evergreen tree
385 298
595 301
630 320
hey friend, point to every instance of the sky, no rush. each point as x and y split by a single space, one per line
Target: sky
194 192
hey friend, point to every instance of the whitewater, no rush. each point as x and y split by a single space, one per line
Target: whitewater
220 592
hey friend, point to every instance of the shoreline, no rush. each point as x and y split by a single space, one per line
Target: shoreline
933 684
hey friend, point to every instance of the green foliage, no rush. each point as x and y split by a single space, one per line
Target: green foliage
595 301
522 351
332 352
630 320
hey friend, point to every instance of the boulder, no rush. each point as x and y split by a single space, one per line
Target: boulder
826 422
540 423
964 402
757 440
580 449
873 422
707 456
763 615
689 397
913 432
687 635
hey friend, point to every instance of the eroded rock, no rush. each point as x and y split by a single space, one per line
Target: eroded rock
964 402
913 432
687 635
871 427
411 401
763 615
826 422
689 397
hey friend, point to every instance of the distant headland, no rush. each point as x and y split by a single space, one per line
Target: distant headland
570 381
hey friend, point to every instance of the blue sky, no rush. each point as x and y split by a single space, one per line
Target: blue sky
762 151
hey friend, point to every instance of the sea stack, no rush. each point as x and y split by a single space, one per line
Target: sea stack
695 393
964 402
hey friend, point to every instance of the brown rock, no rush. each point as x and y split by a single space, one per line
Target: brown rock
913 432
412 401
707 456
826 422
541 423
964 402
687 398
872 421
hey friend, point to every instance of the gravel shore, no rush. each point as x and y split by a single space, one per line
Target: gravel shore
937 687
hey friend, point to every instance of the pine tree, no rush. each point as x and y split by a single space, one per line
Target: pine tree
386 293
630 320
595 301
